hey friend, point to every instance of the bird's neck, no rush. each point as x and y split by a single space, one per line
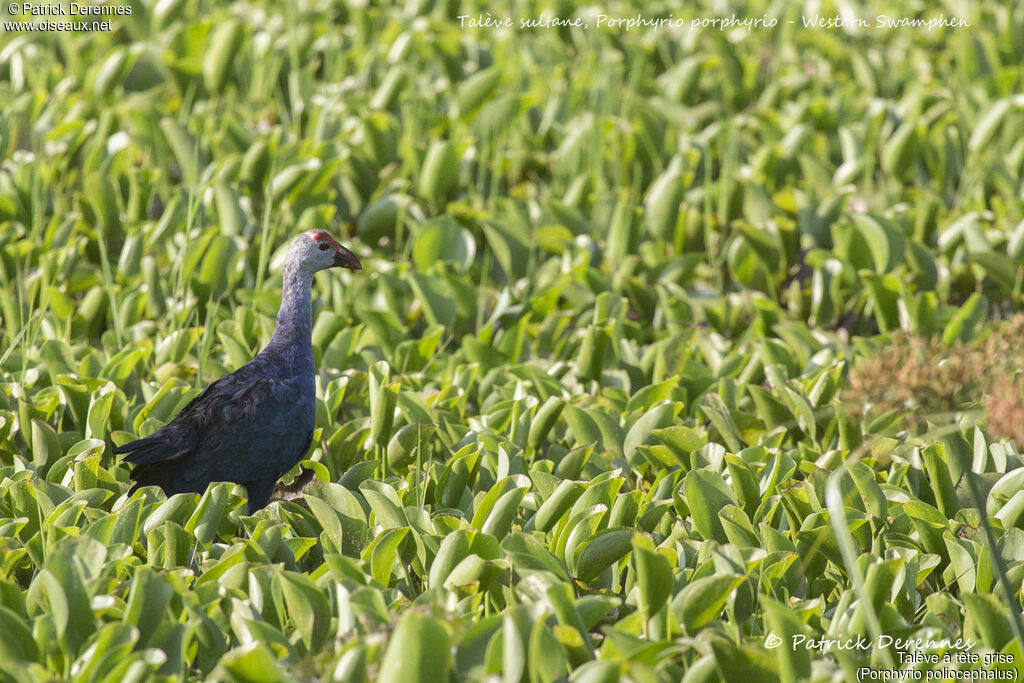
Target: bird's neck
295 319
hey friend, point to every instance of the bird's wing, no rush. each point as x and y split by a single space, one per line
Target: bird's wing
240 428
258 432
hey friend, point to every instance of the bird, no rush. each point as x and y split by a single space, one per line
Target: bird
252 425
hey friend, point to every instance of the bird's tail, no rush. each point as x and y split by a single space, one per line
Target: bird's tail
148 450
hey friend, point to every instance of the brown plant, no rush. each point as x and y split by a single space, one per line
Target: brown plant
930 380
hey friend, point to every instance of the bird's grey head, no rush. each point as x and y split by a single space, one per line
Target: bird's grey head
316 250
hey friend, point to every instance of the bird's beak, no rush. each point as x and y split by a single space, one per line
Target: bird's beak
344 258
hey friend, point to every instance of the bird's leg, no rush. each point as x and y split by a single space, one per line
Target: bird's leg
294 489
259 494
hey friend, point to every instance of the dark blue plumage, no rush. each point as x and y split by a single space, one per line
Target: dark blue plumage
255 424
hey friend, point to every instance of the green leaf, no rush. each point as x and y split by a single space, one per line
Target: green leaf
16 642
557 504
706 494
252 663
383 552
209 513
963 323
442 239
602 550
308 607
704 599
937 467
653 575
148 600
643 428
418 651
225 42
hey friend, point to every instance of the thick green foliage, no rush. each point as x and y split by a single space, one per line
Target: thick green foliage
581 416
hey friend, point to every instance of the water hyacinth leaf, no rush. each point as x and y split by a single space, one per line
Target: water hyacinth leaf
395 80
418 651
473 574
383 552
743 663
16 642
962 326
602 550
383 398
497 116
744 485
561 598
108 648
936 463
590 360
598 672
99 411
453 550
402 449
720 417
681 439
987 620
997 266
178 508
622 232
738 528
793 662
45 446
661 206
557 504
929 524
884 295
490 499
206 519
499 521
252 663
187 152
383 500
216 270
120 367
546 656
513 650
508 247
704 599
148 600
544 420
439 172
307 606
442 239
438 304
475 90
989 124
706 494
653 575
110 72
225 41
1004 489
378 220
583 426
104 199
577 530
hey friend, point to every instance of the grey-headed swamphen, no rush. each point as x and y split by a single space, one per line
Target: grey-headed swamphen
255 424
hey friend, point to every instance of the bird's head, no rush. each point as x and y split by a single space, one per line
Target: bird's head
316 250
